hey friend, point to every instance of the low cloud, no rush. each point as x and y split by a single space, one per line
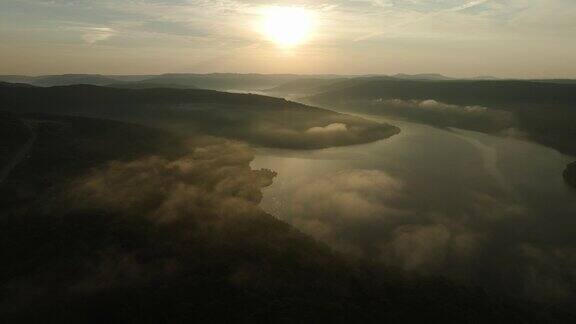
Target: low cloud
332 128
126 224
431 104
447 115
215 180
374 215
326 207
417 247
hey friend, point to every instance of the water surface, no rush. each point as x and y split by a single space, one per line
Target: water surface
488 210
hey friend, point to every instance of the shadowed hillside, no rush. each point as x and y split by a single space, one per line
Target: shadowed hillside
256 119
544 111
497 94
570 174
147 85
303 87
14 134
122 223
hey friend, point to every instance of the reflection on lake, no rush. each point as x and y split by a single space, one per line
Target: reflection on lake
482 209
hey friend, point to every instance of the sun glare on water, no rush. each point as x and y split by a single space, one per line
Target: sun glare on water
287 26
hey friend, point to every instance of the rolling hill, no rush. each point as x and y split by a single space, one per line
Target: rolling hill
545 111
109 221
148 85
230 81
259 120
497 94
302 87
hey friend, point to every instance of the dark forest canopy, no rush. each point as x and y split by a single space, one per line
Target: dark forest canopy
541 111
489 93
259 120
88 236
146 217
570 174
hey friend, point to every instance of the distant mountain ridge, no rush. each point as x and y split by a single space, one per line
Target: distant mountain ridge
271 83
147 85
15 85
303 86
228 81
423 76
59 80
213 81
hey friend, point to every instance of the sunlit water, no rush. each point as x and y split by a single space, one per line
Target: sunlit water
481 208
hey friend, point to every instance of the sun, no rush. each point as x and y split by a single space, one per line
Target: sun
287 26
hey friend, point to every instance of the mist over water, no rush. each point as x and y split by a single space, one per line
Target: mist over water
484 210
243 161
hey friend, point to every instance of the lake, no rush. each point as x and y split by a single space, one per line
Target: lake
481 209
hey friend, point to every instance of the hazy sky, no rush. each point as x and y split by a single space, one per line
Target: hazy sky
516 38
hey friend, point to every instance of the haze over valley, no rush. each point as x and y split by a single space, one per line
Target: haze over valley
288 162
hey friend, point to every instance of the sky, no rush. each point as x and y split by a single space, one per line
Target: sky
460 38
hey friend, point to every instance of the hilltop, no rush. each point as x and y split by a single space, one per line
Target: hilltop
113 221
543 111
259 120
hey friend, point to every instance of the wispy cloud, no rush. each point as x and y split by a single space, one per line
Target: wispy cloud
360 36
93 35
467 5
414 18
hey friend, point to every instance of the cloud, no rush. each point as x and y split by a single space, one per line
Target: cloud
374 215
326 207
93 35
148 238
421 11
332 128
448 115
186 32
431 104
211 180
467 5
418 247
144 219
